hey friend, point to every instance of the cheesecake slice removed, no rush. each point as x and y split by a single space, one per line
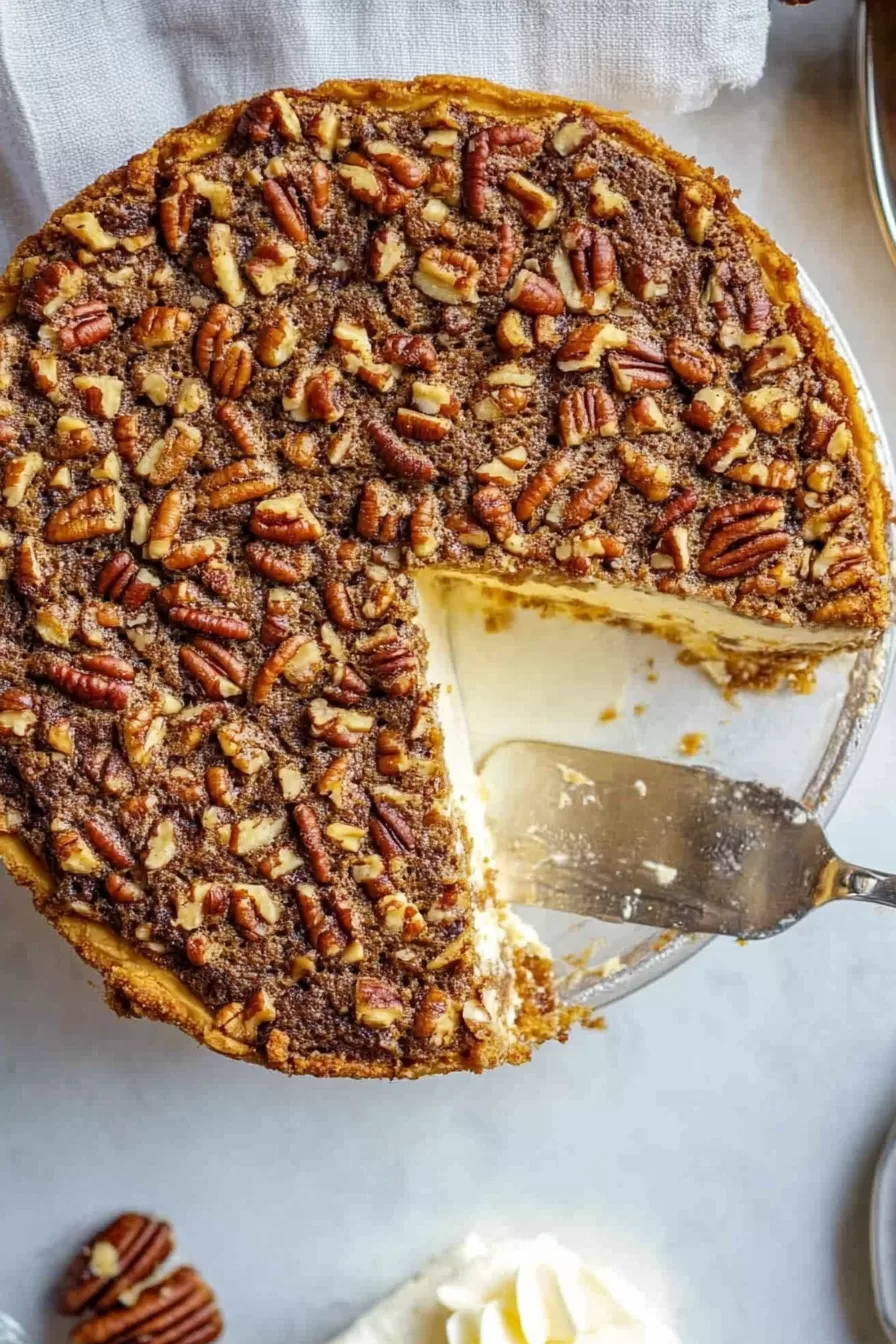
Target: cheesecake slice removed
262 392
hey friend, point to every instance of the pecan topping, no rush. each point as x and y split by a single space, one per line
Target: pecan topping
99 512
282 199
287 519
678 507
532 293
694 364
312 840
493 508
633 373
399 457
236 484
378 1003
586 345
256 383
591 266
221 674
168 458
50 288
87 324
741 535
160 326
447 275
387 251
219 327
411 352
176 214
90 688
587 501
650 476
210 621
268 561
543 484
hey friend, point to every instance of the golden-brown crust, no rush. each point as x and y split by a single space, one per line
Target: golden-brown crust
153 992
133 978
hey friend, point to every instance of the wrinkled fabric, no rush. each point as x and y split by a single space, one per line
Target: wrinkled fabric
85 84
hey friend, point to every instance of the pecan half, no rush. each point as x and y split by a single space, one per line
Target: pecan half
542 485
210 621
694 364
741 535
390 662
399 457
237 483
99 512
532 293
219 674
312 839
90 688
179 1310
282 199
269 562
588 500
119 1256
86 324
176 214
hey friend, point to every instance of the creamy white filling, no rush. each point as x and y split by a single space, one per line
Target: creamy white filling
512 1292
466 794
705 628
496 930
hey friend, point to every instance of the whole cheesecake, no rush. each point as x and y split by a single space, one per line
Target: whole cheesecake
265 389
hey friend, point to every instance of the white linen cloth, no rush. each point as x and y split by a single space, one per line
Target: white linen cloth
84 84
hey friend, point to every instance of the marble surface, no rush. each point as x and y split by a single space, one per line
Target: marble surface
717 1140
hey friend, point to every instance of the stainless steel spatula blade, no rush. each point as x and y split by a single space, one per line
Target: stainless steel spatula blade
671 846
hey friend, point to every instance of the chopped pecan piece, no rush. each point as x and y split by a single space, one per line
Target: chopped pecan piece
532 293
447 275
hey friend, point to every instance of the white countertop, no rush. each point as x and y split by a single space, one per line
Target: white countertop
717 1140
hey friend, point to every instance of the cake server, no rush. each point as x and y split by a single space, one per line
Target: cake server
648 842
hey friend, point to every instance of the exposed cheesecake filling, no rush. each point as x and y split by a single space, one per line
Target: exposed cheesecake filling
730 648
706 630
498 934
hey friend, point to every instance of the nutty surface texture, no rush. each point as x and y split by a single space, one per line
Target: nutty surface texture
254 379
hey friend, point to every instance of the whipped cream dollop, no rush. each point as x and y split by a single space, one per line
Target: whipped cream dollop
538 1292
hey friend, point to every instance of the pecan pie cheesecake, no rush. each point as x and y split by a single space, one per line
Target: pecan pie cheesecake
267 386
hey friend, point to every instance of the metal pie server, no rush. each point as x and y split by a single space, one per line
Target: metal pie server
670 846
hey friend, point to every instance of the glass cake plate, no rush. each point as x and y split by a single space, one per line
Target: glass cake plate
588 684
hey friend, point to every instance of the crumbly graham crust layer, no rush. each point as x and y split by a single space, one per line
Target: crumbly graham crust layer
254 379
